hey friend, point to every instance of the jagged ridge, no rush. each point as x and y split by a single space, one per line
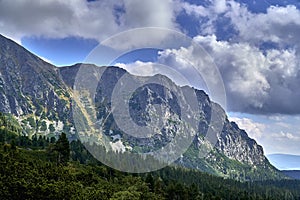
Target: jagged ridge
39 94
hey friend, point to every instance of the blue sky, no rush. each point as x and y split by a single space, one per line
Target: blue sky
65 51
254 44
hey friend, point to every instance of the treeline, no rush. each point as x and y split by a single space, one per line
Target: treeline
45 168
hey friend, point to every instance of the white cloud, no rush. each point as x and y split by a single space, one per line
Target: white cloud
209 13
139 68
96 20
190 9
56 19
279 24
140 13
219 6
255 81
254 129
282 136
242 69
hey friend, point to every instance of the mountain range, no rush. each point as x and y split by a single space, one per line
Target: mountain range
285 161
42 98
294 174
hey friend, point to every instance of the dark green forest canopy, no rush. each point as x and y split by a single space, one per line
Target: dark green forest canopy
49 168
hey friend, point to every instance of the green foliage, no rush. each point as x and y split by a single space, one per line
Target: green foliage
32 122
40 169
8 122
43 126
52 140
62 146
51 128
13 146
59 151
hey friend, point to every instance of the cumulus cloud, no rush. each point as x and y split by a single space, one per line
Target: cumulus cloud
279 24
190 9
242 68
256 81
209 14
96 19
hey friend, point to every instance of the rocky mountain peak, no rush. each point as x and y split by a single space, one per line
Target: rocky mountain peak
40 96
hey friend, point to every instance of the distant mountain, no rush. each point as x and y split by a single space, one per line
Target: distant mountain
295 174
40 96
285 161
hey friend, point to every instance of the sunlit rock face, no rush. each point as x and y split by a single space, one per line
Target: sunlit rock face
40 96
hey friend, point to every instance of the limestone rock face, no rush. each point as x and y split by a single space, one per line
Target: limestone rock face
32 90
40 96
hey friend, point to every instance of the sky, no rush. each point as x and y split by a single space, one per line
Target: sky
255 46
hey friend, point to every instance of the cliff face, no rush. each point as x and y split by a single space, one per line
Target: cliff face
233 155
32 90
40 96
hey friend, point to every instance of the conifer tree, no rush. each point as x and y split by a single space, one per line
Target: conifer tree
62 146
